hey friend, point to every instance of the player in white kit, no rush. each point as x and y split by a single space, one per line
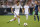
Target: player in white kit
16 12
26 8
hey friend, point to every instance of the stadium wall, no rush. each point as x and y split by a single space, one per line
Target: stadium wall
7 11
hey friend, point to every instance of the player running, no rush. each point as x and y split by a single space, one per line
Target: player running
26 8
36 11
16 12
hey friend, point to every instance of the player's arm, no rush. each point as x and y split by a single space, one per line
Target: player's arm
11 10
33 8
23 10
38 6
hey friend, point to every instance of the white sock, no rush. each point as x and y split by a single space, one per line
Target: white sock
12 20
26 17
18 20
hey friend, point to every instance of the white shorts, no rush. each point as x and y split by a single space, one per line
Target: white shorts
16 14
26 12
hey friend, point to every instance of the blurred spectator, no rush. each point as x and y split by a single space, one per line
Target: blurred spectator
9 4
0 6
4 5
10 0
2 0
31 9
24 1
31 6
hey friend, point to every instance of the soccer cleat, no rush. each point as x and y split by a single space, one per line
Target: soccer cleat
38 20
34 20
18 24
8 21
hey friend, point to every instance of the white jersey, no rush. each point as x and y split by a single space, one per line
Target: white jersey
17 8
26 7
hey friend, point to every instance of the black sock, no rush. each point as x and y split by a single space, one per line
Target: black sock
38 18
34 18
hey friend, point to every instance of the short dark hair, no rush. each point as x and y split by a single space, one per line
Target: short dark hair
17 1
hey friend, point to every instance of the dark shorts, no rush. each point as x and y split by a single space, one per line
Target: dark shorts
36 12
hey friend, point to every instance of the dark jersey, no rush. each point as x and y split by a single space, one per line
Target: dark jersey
36 7
36 10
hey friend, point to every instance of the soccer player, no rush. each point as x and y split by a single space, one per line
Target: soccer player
26 8
16 12
36 11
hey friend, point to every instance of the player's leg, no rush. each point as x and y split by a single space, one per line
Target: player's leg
26 13
26 16
38 18
18 19
15 16
13 19
35 16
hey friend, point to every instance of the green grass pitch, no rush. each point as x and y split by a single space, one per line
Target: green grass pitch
31 23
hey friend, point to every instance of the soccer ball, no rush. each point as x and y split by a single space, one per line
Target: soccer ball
25 24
